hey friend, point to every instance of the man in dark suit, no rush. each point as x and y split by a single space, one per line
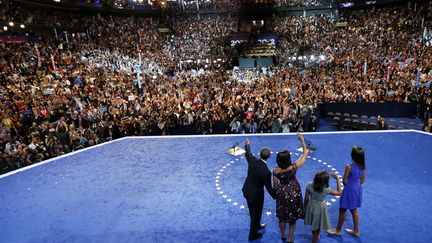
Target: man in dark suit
253 188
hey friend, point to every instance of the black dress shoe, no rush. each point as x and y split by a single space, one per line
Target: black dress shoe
262 226
257 236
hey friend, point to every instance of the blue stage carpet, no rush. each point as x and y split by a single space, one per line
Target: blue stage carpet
176 189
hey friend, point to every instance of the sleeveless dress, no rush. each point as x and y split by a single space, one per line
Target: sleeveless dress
351 197
289 199
316 210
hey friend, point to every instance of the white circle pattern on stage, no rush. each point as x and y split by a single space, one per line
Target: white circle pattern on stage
242 206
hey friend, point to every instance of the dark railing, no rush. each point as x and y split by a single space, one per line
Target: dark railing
373 109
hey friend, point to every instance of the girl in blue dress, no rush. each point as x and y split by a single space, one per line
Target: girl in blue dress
351 199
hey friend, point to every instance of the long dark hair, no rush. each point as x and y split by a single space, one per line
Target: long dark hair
321 180
283 159
358 156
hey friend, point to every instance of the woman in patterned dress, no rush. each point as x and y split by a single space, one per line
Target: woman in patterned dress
289 200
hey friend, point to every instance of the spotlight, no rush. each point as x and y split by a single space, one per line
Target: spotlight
312 57
11 24
22 26
5 28
322 57
300 58
294 58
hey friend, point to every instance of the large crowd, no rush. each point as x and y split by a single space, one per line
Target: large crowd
235 5
126 77
374 58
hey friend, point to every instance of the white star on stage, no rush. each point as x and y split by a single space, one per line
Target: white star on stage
328 204
314 158
242 207
218 188
337 196
329 166
220 192
325 163
225 196
268 213
224 167
221 170
216 180
235 203
217 185
228 164
319 160
271 152
232 162
308 157
237 159
217 177
333 169
296 153
291 153
241 157
219 173
229 200
336 172
333 200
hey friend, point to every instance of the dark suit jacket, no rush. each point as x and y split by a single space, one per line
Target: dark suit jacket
258 176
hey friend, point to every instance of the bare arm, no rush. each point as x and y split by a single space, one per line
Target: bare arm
363 178
275 182
346 174
302 159
306 200
339 189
